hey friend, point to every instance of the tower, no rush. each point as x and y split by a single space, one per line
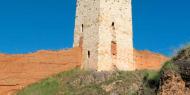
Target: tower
103 29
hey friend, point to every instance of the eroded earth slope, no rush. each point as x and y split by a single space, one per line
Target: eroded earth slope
18 71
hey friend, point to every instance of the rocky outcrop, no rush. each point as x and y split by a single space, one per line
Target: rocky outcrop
171 83
183 55
177 81
182 60
184 70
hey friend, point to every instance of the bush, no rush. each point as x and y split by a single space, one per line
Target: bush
47 87
169 66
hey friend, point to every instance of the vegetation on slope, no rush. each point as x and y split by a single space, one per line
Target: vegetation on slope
175 74
77 82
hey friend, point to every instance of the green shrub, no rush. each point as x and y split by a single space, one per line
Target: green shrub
169 66
47 87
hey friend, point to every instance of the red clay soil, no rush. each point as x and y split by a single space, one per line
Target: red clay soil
18 71
149 60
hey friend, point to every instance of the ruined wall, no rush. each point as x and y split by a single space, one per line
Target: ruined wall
148 60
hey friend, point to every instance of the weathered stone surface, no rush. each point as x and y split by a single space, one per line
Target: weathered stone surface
184 70
98 24
172 84
183 55
182 60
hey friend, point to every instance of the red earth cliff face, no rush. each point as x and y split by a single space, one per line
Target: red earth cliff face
20 70
148 60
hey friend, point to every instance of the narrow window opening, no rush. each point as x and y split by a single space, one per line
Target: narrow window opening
113 25
88 54
82 27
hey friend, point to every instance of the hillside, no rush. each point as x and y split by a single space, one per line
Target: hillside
145 59
172 79
175 80
77 82
20 70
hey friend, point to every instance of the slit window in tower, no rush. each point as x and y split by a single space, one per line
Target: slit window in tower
82 28
113 25
88 54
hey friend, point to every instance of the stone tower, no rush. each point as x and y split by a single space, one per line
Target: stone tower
103 29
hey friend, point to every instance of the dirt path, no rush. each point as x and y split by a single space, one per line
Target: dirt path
18 71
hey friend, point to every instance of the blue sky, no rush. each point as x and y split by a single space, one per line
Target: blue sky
30 25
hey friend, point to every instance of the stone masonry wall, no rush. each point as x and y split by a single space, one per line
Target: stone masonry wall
116 26
99 24
86 32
